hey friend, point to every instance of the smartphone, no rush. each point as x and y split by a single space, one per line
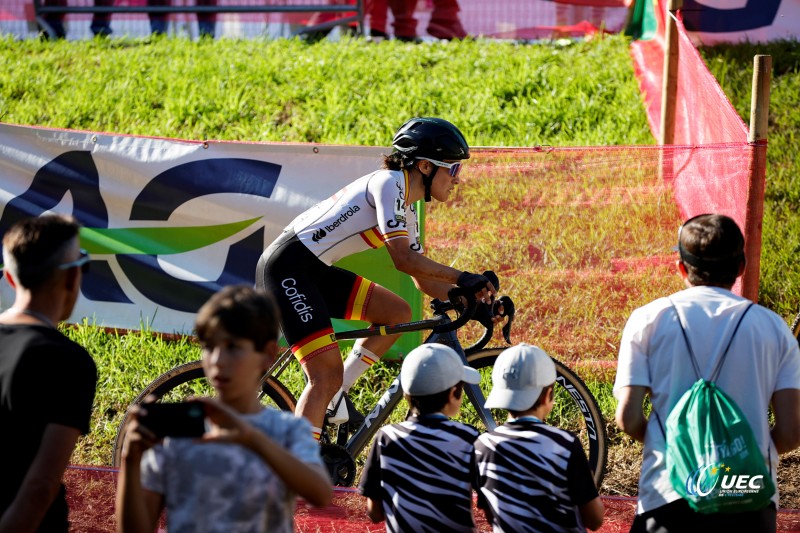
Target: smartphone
185 419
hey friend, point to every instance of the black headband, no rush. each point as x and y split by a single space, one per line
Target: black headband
701 262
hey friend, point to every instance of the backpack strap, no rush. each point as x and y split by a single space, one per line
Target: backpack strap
695 365
718 369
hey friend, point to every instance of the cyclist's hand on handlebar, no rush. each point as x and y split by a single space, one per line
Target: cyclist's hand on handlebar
490 314
498 312
478 284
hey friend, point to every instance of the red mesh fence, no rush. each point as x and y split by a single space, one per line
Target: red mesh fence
90 493
507 19
732 183
580 236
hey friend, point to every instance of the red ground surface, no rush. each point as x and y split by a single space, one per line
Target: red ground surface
90 491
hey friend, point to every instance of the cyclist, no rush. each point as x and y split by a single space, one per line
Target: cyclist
373 211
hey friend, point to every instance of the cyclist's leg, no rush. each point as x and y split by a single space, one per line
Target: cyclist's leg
384 307
324 372
291 272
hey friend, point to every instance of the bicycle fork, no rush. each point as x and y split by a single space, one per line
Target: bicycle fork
474 392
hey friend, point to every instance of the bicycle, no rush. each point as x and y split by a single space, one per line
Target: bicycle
579 410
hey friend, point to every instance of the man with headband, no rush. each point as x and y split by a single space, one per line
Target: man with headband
762 368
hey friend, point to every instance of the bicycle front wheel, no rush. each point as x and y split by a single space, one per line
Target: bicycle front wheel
186 380
576 409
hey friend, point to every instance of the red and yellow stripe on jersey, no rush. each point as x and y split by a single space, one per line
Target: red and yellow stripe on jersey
372 237
313 345
359 299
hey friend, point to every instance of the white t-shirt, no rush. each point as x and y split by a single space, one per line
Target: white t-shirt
226 488
763 358
362 215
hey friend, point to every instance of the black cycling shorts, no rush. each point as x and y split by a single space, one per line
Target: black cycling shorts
309 293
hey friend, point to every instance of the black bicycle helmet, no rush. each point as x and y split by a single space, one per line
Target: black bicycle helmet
434 138
430 137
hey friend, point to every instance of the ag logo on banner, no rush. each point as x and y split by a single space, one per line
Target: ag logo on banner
136 248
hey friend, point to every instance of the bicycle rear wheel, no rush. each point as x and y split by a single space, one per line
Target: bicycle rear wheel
576 409
183 381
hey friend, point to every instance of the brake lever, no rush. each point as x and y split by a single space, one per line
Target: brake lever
508 311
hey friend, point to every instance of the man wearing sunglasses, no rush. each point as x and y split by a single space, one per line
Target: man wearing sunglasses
47 382
375 210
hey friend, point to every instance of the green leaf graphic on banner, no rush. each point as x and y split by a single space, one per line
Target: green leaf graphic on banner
157 241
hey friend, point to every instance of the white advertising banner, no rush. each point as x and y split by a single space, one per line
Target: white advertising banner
711 22
166 222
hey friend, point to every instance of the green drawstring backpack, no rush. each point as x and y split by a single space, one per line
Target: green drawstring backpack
713 458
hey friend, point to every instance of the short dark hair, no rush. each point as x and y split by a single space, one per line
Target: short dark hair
711 248
34 247
432 403
243 312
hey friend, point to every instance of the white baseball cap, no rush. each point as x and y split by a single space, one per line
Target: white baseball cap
432 368
519 376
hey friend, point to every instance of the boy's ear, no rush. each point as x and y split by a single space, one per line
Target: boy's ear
546 395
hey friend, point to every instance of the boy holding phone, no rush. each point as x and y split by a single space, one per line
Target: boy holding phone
244 472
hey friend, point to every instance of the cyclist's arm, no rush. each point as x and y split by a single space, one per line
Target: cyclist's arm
417 265
427 273
434 289
42 481
630 411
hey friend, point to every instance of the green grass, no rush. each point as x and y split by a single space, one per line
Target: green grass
565 271
288 90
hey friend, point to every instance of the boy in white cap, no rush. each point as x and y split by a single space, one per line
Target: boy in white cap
420 473
532 476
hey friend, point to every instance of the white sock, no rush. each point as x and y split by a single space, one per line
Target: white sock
358 362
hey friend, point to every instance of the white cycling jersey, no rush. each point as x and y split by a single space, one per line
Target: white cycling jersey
364 214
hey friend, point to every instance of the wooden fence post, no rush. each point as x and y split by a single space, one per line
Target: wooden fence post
754 213
669 83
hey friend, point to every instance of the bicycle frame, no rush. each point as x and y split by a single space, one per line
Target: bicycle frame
387 403
444 332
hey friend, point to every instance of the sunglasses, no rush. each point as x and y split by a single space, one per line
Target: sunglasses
453 168
82 261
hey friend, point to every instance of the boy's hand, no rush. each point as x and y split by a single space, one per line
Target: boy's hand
227 425
138 438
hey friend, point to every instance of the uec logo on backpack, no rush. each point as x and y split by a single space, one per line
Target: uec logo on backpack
703 481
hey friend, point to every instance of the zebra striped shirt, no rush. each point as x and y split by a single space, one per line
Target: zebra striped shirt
423 471
533 477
